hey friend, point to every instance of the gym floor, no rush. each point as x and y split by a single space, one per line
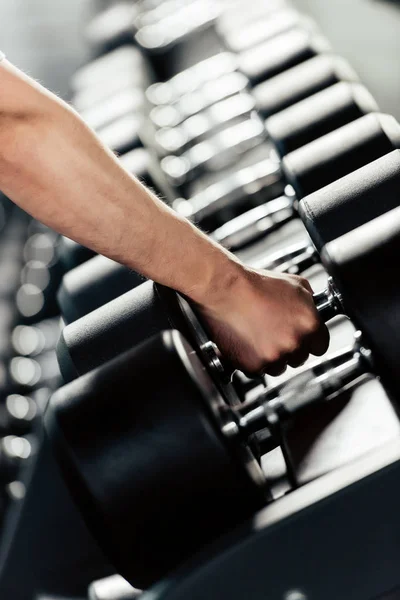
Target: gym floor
44 37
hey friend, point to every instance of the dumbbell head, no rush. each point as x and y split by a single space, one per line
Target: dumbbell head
281 53
353 200
115 327
318 115
72 254
92 284
264 28
151 463
299 82
124 323
340 152
364 266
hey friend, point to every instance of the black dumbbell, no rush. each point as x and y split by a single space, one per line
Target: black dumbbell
288 130
159 32
306 169
223 75
337 209
168 417
92 284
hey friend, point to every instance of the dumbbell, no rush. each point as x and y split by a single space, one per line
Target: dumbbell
272 96
347 101
113 27
223 148
337 209
17 415
289 130
125 104
159 32
239 38
77 343
306 169
162 425
121 69
224 74
121 23
15 451
115 107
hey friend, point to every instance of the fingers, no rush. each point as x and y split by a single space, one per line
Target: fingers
319 343
298 358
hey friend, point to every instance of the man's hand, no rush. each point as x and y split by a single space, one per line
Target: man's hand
266 321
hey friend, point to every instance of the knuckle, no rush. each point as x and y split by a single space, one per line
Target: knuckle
272 356
292 344
313 324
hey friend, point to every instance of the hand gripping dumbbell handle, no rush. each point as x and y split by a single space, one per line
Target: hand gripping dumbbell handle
328 303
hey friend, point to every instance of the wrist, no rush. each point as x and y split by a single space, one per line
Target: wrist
225 276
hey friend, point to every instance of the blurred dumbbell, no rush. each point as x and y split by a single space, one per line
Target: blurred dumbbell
224 148
113 108
120 22
268 25
337 209
113 27
285 127
331 108
15 451
306 169
114 72
222 75
17 415
211 426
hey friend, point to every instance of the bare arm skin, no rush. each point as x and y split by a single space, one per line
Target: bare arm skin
54 167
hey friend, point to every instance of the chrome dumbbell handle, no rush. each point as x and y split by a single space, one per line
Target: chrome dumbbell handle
195 102
191 79
217 152
175 140
329 302
178 25
257 222
295 259
230 191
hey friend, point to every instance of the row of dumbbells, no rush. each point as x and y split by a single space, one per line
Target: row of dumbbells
243 143
29 370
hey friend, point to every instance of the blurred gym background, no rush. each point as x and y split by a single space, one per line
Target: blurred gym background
44 37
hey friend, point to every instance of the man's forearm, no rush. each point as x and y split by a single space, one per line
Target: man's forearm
55 168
